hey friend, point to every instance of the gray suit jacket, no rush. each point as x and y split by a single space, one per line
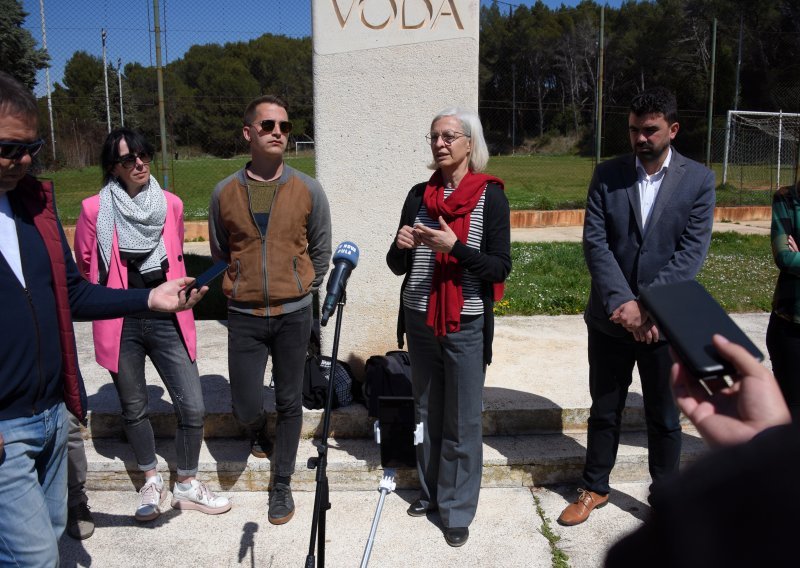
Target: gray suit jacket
622 257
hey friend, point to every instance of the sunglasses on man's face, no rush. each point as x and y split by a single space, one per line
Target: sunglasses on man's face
10 150
268 125
128 161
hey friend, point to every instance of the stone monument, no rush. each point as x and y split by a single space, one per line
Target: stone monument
382 70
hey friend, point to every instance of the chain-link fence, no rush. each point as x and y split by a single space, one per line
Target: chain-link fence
539 74
215 59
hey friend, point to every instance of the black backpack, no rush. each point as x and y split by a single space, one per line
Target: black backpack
315 385
315 379
386 375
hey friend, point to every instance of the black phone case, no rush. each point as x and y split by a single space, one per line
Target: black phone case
208 276
689 316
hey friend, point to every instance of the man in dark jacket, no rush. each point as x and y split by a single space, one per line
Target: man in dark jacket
648 221
40 291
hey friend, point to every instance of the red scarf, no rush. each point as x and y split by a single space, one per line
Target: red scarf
447 297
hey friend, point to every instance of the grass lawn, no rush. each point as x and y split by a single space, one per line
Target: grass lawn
544 182
532 182
552 279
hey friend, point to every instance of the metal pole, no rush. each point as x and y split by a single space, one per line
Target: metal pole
119 77
780 140
600 72
105 80
727 147
47 79
711 92
162 122
738 64
373 530
513 108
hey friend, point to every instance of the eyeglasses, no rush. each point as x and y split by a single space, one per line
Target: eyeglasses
10 150
128 161
269 125
447 137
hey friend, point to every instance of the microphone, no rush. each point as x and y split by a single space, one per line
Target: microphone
344 261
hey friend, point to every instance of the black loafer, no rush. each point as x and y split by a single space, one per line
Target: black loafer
456 536
417 509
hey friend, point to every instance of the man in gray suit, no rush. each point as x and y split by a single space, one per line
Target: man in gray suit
648 221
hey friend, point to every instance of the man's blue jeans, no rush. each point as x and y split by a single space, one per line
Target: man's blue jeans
33 488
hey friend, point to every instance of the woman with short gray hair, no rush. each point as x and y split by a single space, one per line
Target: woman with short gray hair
453 246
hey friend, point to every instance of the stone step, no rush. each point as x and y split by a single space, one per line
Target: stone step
353 422
354 464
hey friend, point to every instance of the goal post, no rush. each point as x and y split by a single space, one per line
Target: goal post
761 149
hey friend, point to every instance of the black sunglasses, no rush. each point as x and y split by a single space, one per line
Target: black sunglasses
269 125
10 150
128 161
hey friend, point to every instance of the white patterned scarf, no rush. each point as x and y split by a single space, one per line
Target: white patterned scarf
139 223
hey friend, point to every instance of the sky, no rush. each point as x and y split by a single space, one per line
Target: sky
76 25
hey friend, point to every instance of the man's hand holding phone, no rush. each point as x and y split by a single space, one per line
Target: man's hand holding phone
202 281
735 413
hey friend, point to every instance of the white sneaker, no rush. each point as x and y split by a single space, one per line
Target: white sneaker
152 497
199 498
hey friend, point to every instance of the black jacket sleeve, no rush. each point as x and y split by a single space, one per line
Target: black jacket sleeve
93 301
493 264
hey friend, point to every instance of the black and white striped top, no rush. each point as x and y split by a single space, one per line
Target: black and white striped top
418 288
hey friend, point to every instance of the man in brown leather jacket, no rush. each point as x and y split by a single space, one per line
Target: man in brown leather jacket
271 223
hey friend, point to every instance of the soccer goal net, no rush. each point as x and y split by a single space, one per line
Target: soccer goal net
761 149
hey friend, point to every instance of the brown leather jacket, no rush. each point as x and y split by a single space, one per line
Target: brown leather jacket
273 273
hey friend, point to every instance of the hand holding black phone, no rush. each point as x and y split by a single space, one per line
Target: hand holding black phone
689 316
206 277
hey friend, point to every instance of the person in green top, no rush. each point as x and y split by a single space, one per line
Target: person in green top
783 332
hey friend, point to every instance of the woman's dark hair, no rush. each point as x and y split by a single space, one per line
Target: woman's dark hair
109 156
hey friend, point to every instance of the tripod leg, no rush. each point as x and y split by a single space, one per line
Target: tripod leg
325 505
373 530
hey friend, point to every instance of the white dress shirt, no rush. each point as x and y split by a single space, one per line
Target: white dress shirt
9 242
648 186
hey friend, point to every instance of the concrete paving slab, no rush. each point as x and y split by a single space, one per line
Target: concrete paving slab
505 533
586 544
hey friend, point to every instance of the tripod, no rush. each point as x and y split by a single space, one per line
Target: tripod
320 463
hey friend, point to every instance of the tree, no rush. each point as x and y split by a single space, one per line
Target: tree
18 53
79 107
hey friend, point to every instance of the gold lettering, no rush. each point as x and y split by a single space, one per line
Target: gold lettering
406 26
384 24
453 12
338 10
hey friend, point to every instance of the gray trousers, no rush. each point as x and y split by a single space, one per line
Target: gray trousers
76 464
447 381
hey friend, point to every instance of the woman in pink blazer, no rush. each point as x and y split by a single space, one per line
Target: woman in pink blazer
130 235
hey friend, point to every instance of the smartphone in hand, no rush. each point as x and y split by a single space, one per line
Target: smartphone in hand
689 316
206 277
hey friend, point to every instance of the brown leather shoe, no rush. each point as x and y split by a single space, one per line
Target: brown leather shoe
577 512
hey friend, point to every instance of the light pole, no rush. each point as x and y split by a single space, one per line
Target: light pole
105 79
47 78
119 77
